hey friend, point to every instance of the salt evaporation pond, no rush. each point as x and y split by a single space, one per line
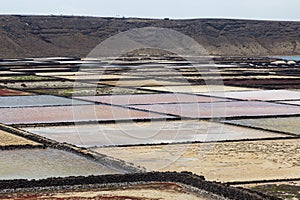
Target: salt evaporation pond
45 163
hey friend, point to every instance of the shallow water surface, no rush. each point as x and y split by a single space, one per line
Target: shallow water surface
287 125
45 163
148 133
37 100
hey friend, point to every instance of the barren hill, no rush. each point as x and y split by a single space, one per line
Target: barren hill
26 36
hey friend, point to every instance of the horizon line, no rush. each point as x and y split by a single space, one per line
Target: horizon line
148 18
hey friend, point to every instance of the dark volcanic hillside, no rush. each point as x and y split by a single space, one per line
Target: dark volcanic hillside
25 36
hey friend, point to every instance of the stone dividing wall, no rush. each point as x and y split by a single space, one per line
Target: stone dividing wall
26 146
185 178
47 143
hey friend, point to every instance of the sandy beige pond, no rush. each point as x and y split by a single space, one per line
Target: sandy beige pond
234 161
8 139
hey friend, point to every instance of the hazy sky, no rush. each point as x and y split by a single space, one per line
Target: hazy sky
249 9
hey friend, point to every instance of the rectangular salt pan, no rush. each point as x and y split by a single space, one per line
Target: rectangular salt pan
285 125
222 109
155 132
46 163
8 92
8 139
47 84
150 99
263 95
84 113
141 83
231 161
197 88
290 102
39 100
